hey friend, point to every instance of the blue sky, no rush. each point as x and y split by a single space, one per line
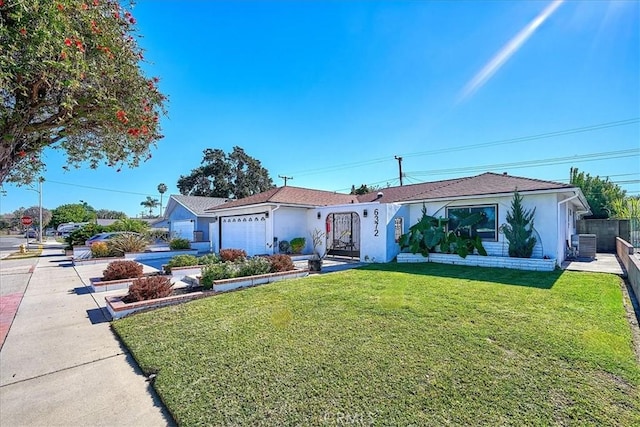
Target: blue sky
328 92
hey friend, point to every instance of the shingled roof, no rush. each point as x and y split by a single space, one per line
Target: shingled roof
289 195
488 183
198 204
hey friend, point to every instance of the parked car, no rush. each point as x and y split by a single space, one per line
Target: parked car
31 234
103 237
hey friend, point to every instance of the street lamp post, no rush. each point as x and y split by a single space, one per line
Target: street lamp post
39 191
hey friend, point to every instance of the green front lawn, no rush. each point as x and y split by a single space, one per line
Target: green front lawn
397 344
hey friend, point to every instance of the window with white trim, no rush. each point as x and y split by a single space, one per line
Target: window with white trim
487 229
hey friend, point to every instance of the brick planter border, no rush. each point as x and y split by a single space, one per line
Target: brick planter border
118 309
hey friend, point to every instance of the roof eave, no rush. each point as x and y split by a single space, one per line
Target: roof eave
482 196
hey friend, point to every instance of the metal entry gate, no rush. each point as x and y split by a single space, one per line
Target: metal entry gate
343 234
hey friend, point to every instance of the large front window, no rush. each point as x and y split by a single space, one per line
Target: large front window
487 228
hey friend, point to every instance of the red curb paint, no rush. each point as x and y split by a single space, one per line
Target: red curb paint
8 308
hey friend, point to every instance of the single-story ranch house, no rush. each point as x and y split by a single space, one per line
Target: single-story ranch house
368 226
186 217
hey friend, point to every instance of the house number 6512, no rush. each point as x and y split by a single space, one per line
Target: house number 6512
376 220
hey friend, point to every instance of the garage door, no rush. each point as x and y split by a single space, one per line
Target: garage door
248 232
183 229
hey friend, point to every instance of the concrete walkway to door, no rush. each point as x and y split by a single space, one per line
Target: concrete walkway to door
61 365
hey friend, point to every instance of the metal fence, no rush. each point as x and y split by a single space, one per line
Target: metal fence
634 232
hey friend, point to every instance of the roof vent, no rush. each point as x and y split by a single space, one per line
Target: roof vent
380 194
504 173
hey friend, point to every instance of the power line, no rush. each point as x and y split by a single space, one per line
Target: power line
582 129
535 163
99 189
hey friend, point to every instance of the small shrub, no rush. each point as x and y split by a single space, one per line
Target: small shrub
219 271
284 247
181 261
298 244
146 288
117 270
280 262
253 267
100 250
129 242
178 243
208 259
232 254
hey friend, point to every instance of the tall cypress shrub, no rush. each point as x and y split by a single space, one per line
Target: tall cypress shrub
519 229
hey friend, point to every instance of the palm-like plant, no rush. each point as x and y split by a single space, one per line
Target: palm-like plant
150 203
162 188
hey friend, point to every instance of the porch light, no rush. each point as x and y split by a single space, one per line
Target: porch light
365 213
319 215
266 214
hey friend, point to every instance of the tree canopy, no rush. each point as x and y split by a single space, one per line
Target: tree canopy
235 175
150 203
364 189
600 193
70 79
73 212
110 214
34 213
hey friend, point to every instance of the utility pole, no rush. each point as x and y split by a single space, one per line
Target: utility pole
399 159
40 205
285 179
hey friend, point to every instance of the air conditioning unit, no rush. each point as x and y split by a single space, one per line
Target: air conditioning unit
587 245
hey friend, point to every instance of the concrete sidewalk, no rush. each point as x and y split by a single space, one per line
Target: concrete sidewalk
62 365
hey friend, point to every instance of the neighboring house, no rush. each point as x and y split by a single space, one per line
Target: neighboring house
368 226
186 217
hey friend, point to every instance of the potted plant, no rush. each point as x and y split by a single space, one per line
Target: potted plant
318 238
297 244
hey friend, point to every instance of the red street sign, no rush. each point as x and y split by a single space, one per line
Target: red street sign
26 220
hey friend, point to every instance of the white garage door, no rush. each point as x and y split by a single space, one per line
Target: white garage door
183 229
248 232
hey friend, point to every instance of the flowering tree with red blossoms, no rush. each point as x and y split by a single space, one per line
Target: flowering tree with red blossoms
70 79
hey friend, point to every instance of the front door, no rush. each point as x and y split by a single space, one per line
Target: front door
343 234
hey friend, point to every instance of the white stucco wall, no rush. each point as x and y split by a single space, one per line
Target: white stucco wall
545 219
289 223
376 229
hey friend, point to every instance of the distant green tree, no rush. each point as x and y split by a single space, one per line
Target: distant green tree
162 188
15 219
364 189
34 213
110 214
600 193
150 203
519 229
236 175
130 224
73 212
